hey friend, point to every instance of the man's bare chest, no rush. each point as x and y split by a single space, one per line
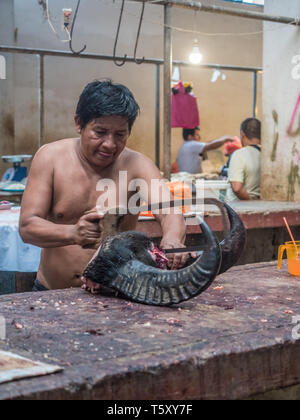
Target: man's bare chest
76 195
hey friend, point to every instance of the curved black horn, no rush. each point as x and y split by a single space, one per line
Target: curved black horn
234 242
145 284
224 213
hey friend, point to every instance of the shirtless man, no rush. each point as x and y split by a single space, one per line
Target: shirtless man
59 204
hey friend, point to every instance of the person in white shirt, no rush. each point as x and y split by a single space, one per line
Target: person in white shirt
245 166
190 154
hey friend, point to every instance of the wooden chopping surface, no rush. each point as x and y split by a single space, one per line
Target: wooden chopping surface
233 341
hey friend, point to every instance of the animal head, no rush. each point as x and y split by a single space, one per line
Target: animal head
131 264
119 250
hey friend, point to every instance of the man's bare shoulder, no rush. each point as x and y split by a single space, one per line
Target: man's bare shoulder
56 149
59 145
137 157
139 164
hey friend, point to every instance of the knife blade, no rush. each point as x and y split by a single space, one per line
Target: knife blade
183 250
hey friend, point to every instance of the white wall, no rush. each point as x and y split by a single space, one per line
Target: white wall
280 177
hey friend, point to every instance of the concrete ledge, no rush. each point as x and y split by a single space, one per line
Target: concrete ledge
255 215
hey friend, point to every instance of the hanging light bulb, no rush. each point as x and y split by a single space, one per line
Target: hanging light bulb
196 56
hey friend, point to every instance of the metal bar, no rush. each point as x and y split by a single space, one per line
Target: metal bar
254 93
184 250
194 5
167 91
157 115
219 66
59 53
67 54
41 97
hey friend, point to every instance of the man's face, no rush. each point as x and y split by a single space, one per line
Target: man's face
103 139
197 135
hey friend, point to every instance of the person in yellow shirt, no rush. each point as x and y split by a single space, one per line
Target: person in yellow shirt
245 166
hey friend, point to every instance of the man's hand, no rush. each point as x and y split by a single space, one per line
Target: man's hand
176 261
229 139
87 231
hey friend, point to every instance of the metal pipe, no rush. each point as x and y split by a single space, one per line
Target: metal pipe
254 93
157 115
248 14
57 53
41 99
167 91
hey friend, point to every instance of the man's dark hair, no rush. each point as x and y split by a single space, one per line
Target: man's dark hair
105 98
186 132
252 128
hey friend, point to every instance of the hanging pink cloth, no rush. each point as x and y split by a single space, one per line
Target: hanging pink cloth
185 112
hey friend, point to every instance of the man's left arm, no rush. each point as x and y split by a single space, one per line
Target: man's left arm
172 224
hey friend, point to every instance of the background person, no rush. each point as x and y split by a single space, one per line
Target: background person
229 149
245 166
191 153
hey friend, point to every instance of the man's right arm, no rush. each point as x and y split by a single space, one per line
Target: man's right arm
216 144
36 205
240 191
